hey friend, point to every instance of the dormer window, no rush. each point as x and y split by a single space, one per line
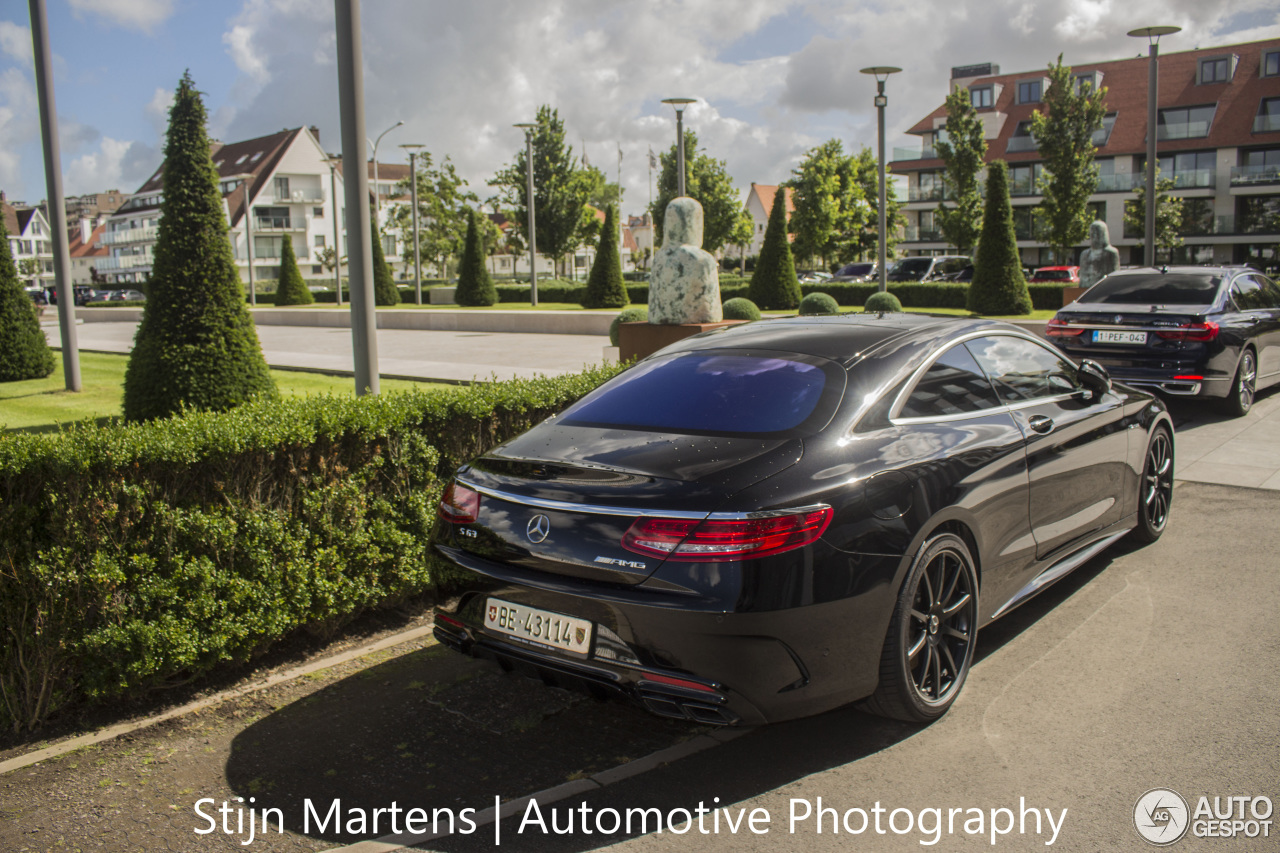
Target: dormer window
1102 134
1086 81
982 98
1216 69
1029 91
1271 64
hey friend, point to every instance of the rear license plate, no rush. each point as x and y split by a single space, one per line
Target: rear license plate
543 627
1104 337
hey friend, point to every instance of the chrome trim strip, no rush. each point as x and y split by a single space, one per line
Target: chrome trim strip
1056 571
569 506
1006 408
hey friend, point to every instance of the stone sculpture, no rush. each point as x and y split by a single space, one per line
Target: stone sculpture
684 285
1100 259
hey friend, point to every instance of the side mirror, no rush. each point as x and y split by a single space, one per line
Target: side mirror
1094 378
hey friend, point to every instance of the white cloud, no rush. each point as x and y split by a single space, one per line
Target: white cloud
144 15
115 164
157 110
15 42
19 126
239 42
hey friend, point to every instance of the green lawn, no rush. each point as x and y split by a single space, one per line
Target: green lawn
41 405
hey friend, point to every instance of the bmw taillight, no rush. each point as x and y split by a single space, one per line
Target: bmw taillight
720 540
1061 329
1190 332
459 505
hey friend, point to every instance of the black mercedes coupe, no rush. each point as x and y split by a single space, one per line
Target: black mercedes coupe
782 517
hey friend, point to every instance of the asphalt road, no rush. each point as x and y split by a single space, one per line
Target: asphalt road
1148 667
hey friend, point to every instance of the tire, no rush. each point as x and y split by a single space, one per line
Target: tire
932 634
1243 387
1155 488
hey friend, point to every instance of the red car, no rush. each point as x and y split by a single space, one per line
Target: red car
1064 275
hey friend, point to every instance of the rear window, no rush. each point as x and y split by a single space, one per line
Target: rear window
1155 289
1053 275
913 266
717 393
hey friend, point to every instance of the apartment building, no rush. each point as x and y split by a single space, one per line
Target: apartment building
30 242
1218 138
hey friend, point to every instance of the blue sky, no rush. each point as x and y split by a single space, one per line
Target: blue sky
773 78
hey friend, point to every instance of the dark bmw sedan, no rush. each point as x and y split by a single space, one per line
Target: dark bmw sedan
786 516
1186 331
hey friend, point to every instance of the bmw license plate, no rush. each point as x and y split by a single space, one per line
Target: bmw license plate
538 626
1105 337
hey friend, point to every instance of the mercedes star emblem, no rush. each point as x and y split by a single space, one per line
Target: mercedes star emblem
539 527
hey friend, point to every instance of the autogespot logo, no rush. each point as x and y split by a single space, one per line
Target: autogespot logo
1161 816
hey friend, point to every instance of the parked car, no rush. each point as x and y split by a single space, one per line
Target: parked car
926 268
127 295
1210 332
780 518
1069 276
812 276
37 295
964 274
857 271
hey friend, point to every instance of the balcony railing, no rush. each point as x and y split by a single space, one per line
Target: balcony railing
1023 186
1243 176
129 235
1193 179
933 193
923 153
123 262
916 234
1222 226
300 197
1021 143
1185 130
1120 183
277 223
1266 124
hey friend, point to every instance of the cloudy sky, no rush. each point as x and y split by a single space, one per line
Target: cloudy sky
772 78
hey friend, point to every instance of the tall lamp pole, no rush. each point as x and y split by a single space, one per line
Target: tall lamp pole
333 161
1152 34
679 104
881 73
533 239
412 148
377 193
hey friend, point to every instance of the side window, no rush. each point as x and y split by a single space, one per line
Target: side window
1023 370
1248 294
953 385
1270 291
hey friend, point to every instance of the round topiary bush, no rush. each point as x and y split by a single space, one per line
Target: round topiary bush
819 303
740 308
882 303
631 315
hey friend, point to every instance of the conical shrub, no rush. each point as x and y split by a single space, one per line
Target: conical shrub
999 286
196 344
385 291
774 285
24 352
291 289
605 287
475 288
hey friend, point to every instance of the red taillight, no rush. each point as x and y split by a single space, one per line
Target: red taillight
1190 378
721 540
448 620
459 505
1190 332
1060 328
677 682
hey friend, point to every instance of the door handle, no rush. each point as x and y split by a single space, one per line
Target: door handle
1041 424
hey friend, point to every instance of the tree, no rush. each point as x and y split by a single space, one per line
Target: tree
443 203
26 353
709 183
290 288
1064 135
774 284
474 285
196 344
601 193
559 191
962 151
385 291
829 201
29 269
998 284
605 288
1169 210
744 228
864 241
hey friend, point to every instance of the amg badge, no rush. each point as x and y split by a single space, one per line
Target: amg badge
626 564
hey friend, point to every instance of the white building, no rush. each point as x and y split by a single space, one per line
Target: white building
30 240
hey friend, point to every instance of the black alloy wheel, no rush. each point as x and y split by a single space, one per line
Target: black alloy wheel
930 644
1155 494
1240 400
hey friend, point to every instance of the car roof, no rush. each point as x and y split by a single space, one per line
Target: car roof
842 338
1190 269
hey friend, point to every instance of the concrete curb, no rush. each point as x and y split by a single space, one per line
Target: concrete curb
393 843
279 678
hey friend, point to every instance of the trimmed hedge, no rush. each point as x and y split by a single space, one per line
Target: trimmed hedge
142 556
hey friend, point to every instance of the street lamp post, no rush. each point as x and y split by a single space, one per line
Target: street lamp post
679 104
377 194
333 161
533 240
412 148
1153 69
881 73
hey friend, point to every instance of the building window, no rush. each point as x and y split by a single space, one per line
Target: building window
1086 80
1024 223
1029 91
1216 70
271 217
319 243
931 187
1261 166
1188 169
1024 178
1271 64
1268 118
1187 122
982 98
317 213
282 188
1022 140
316 269
267 247
1097 210
1102 134
1197 217
1258 214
